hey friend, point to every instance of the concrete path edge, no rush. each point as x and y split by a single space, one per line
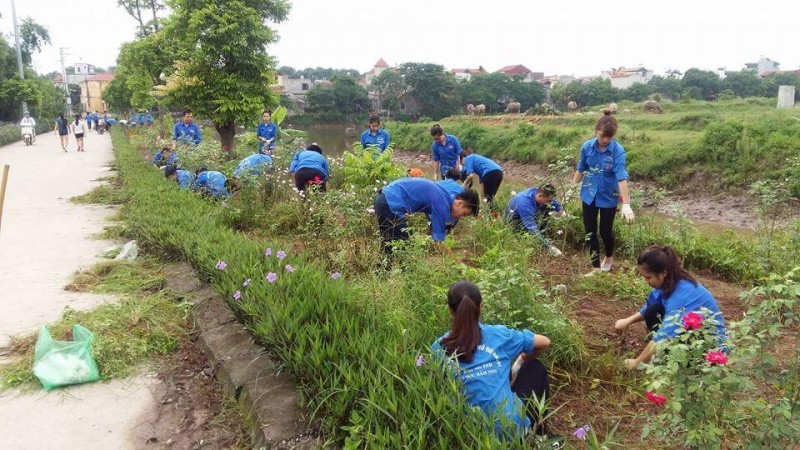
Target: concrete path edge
267 396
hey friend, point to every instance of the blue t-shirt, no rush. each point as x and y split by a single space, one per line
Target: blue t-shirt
446 154
267 131
185 178
524 208
686 297
480 165
62 126
148 119
211 182
141 118
486 378
253 165
379 139
133 119
602 173
158 159
187 134
309 159
411 195
451 186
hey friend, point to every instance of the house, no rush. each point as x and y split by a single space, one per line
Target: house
623 78
376 70
92 89
553 80
764 65
467 74
518 70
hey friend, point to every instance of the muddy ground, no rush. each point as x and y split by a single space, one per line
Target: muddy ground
694 203
191 410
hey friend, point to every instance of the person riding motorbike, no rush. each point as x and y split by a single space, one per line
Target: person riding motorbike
28 121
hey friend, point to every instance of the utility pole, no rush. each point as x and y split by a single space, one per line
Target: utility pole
66 83
19 49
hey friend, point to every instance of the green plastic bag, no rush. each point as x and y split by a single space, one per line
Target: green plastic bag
61 363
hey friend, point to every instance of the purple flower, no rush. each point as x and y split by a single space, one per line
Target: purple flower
221 265
420 360
246 283
289 268
271 277
237 295
580 432
281 254
336 275
268 252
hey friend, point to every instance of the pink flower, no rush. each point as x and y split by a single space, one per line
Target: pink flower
221 265
246 283
268 253
717 357
692 321
580 432
289 268
336 275
272 276
237 295
281 254
420 360
655 398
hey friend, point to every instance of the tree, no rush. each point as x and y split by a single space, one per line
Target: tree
638 92
744 84
701 83
597 91
287 71
770 84
432 88
74 95
669 87
343 95
33 38
222 70
140 65
389 86
136 9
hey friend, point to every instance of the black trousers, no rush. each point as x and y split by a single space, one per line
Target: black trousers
532 378
391 227
607 215
306 176
491 183
653 315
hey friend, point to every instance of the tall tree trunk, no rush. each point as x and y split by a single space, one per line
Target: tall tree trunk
155 17
227 131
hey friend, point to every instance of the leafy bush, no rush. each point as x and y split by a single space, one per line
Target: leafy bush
364 168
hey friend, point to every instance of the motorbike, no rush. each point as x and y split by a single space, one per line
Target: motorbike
101 126
27 134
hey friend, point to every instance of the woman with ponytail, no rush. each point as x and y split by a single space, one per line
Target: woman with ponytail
675 293
485 355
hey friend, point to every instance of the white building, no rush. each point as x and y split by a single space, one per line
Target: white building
623 78
763 66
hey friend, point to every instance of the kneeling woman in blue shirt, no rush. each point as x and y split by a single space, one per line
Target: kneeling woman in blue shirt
675 293
497 365
411 195
310 168
184 178
489 173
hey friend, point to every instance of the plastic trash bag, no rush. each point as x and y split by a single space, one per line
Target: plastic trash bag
130 251
61 363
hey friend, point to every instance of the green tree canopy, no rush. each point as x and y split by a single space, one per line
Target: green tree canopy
770 84
744 84
432 88
32 38
669 87
701 83
344 96
222 70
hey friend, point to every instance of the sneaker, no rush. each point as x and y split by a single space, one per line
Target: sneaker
606 266
594 272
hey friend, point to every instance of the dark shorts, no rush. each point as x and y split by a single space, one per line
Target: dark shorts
78 135
63 133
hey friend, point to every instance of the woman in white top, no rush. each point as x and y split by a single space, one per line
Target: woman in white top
78 127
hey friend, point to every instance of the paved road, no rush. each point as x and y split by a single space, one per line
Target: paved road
43 240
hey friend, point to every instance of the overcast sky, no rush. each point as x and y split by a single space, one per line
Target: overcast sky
569 37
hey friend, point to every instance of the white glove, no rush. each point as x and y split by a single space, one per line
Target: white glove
554 251
627 213
515 368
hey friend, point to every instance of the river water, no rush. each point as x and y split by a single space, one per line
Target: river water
334 139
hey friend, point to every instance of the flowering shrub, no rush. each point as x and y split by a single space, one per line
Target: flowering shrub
750 397
363 168
208 154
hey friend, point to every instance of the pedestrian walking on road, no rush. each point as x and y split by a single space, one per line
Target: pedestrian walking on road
62 130
78 129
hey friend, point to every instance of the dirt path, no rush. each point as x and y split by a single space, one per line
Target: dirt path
727 210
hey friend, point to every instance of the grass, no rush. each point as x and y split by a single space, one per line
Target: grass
110 193
146 321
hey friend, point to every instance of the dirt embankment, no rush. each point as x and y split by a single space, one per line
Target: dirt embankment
727 210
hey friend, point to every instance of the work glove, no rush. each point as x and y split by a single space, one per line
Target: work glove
554 251
627 213
515 368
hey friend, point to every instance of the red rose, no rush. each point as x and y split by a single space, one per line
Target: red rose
652 397
692 321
